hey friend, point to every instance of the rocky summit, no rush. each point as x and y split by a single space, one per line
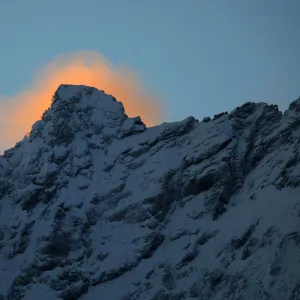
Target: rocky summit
94 205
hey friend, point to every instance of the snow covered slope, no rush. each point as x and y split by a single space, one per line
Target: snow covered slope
95 206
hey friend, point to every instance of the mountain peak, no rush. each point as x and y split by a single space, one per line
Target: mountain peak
70 99
92 202
82 111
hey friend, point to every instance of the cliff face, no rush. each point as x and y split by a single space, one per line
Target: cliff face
94 205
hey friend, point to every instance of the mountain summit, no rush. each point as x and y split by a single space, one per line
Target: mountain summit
94 205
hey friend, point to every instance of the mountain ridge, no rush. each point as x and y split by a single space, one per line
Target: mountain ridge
183 210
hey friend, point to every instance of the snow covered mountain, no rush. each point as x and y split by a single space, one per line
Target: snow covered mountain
94 205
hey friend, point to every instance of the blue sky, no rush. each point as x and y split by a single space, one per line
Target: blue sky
203 57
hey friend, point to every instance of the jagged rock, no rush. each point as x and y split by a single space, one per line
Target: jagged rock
94 204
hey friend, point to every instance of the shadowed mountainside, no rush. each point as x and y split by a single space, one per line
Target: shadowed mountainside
94 204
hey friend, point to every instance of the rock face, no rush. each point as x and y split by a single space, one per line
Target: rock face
95 206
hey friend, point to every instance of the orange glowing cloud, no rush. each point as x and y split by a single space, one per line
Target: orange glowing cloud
19 112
